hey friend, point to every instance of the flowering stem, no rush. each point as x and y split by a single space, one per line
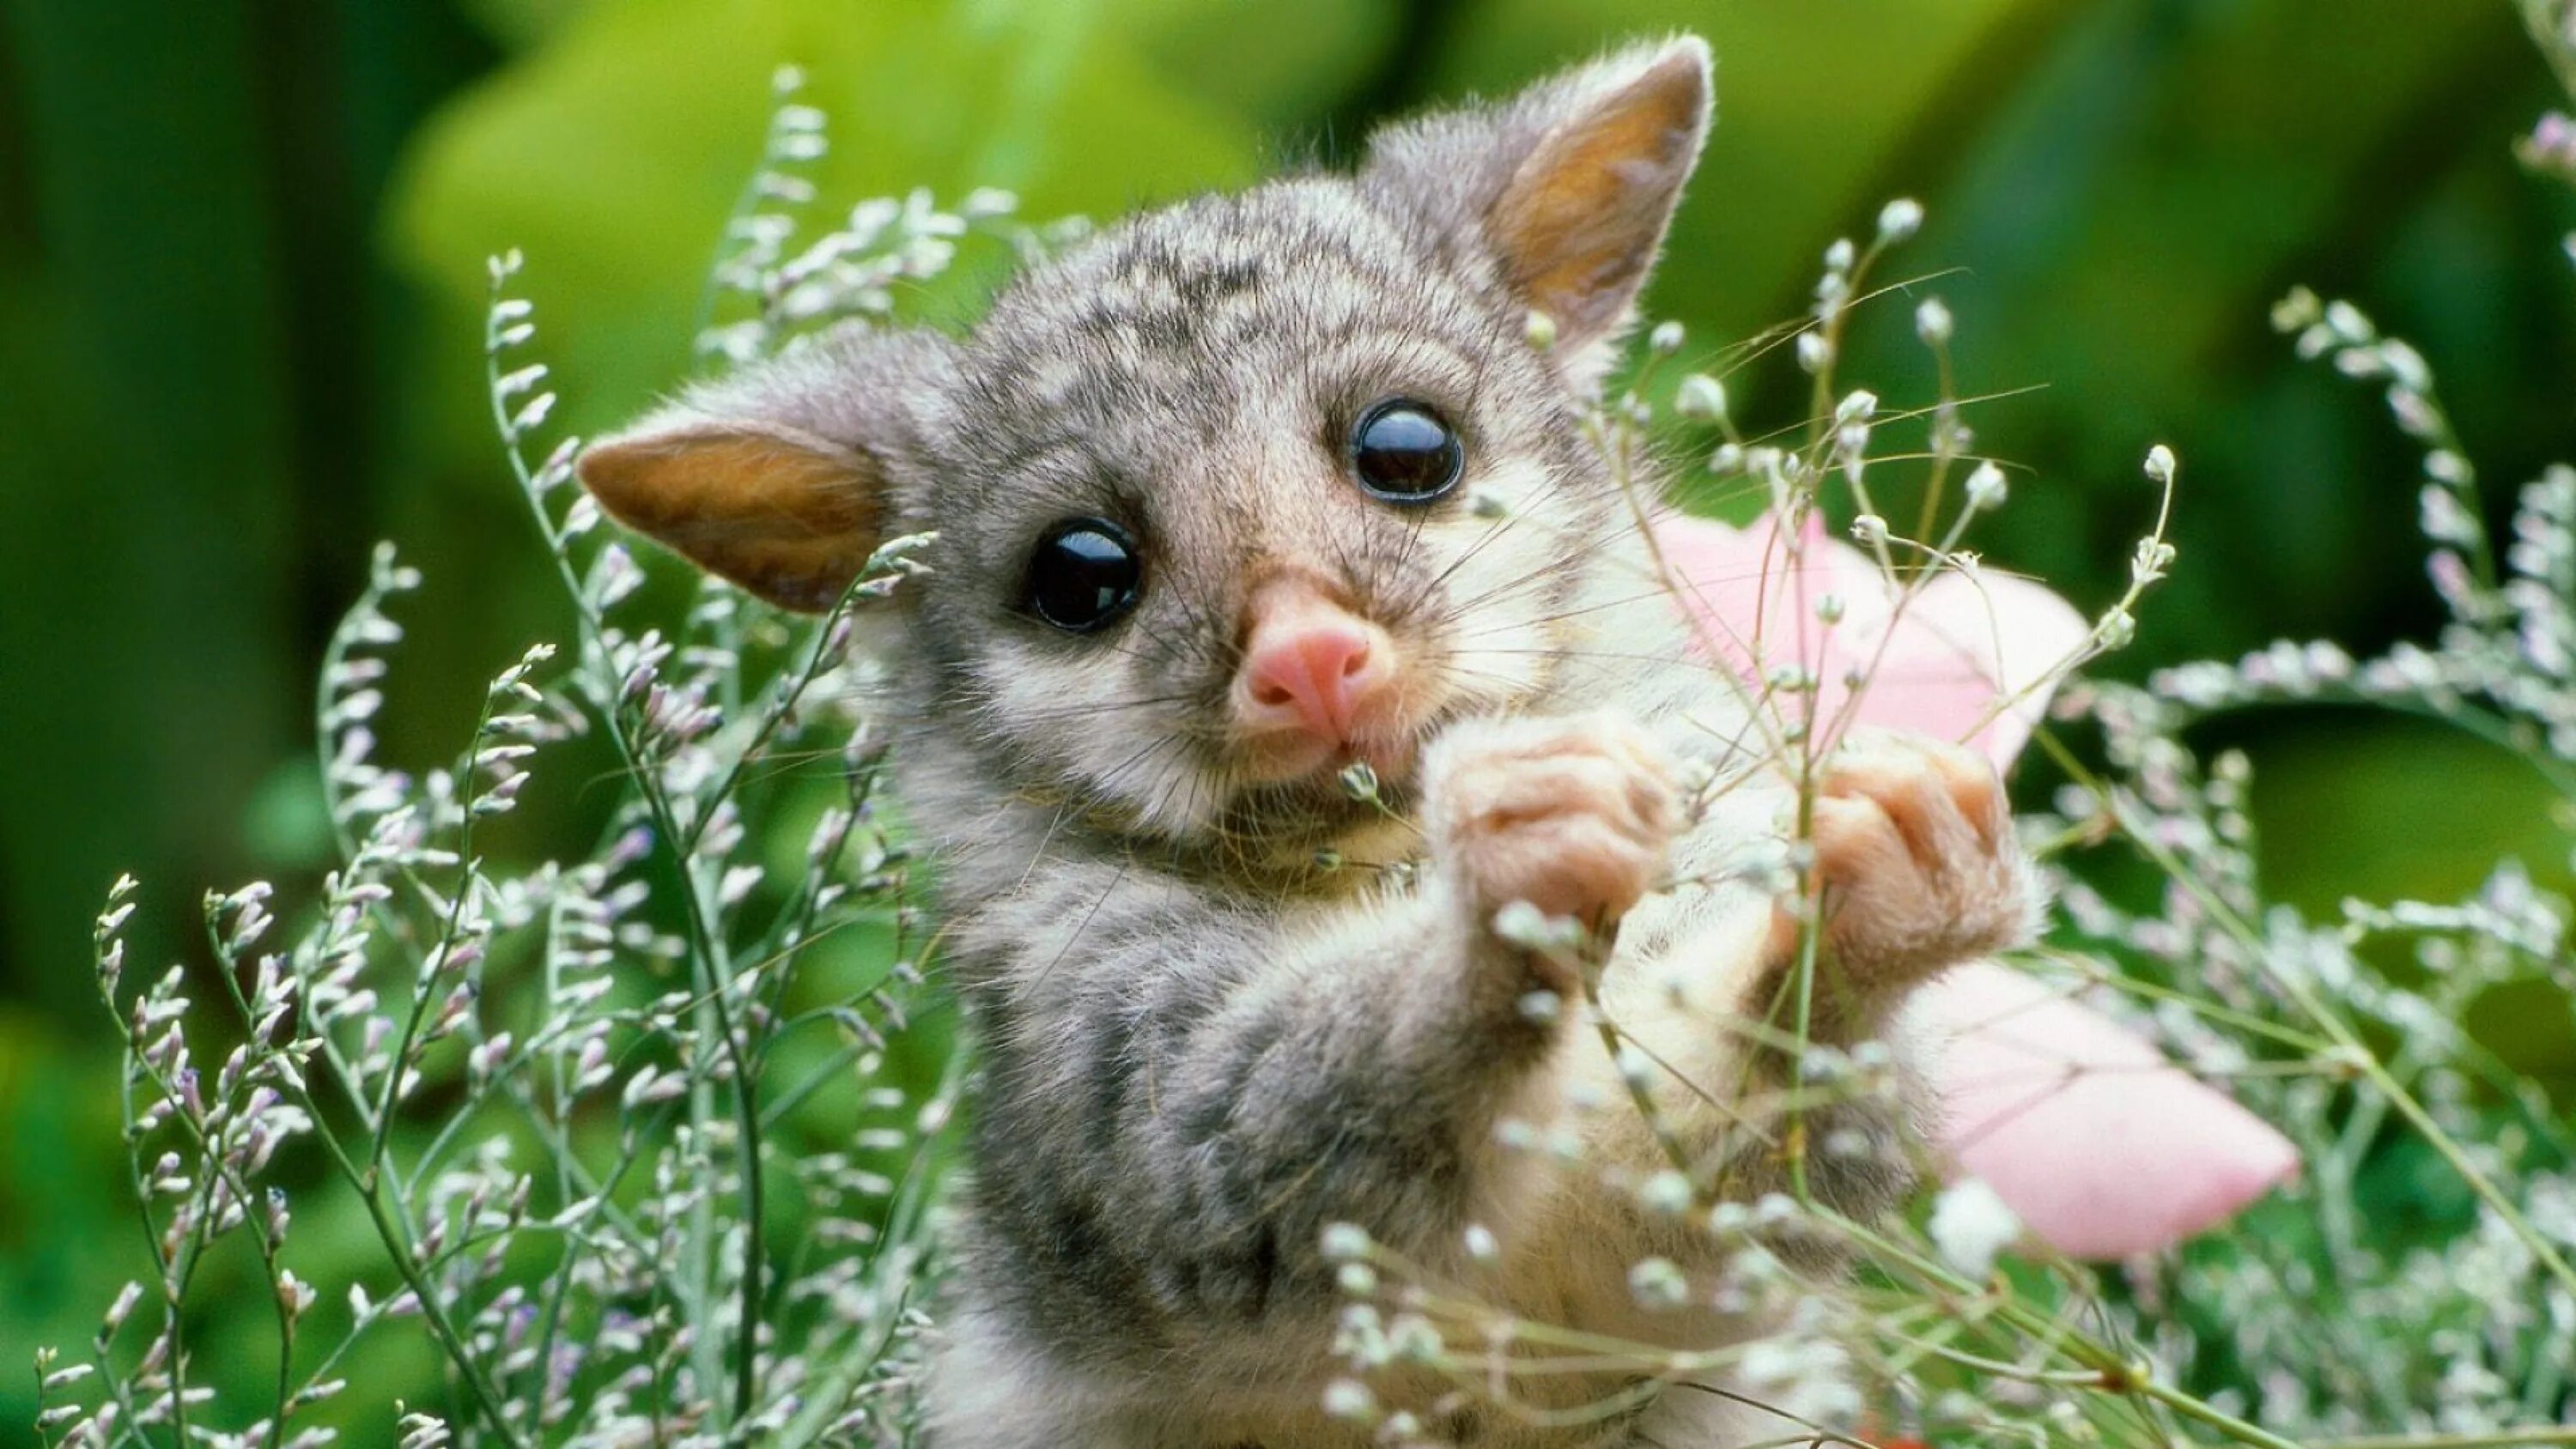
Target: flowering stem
369 1186
703 956
436 963
2345 1038
815 662
2107 1371
2486 725
2562 1434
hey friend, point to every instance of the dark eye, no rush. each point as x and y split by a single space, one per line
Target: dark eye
1083 574
1403 452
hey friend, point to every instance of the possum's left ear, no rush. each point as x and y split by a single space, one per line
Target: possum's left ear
780 478
1567 187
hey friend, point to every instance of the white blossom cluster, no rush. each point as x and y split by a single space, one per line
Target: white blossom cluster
858 268
2504 665
622 1128
2348 1034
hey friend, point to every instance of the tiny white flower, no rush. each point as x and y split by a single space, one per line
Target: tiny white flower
1986 487
1667 1192
2160 465
1900 219
2299 309
1700 398
2405 365
1970 1225
1522 924
1658 1283
1349 1399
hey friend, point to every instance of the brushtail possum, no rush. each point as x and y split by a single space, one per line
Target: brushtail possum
1238 495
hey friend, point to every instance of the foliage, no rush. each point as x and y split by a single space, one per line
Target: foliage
2391 1293
622 1124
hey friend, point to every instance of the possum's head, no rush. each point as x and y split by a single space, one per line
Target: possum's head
1244 490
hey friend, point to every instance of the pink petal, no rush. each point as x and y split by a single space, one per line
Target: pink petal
1753 598
1964 645
2102 1147
1732 582
1942 665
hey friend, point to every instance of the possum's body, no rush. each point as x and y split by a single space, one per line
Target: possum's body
1129 1280
1242 492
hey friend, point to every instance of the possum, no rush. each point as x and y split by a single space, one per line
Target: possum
1286 642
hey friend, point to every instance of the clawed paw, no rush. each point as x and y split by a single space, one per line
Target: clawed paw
1574 816
1914 848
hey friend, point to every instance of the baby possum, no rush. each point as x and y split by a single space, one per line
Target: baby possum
1240 493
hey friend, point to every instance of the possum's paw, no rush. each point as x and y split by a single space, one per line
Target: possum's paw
1914 846
1571 815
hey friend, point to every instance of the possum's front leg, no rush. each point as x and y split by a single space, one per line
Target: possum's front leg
1917 870
1186 1088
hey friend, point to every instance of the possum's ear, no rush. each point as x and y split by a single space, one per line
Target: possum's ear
778 478
1568 186
787 515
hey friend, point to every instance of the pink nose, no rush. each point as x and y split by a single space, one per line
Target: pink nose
1309 665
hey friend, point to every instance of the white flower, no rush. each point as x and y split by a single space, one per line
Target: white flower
1970 1224
1986 487
1658 1283
1700 397
1349 1399
1345 1242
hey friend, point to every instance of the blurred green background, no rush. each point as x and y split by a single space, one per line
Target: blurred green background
241 282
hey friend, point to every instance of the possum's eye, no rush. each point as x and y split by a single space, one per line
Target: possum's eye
1403 452
1082 574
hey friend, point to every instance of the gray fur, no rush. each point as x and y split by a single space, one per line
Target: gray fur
1200 1049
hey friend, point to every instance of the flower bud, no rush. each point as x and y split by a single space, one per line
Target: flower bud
1700 398
1986 487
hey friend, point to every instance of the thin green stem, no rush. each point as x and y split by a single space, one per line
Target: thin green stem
704 957
2560 1434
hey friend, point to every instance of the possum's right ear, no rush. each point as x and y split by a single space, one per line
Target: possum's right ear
776 478
1568 187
